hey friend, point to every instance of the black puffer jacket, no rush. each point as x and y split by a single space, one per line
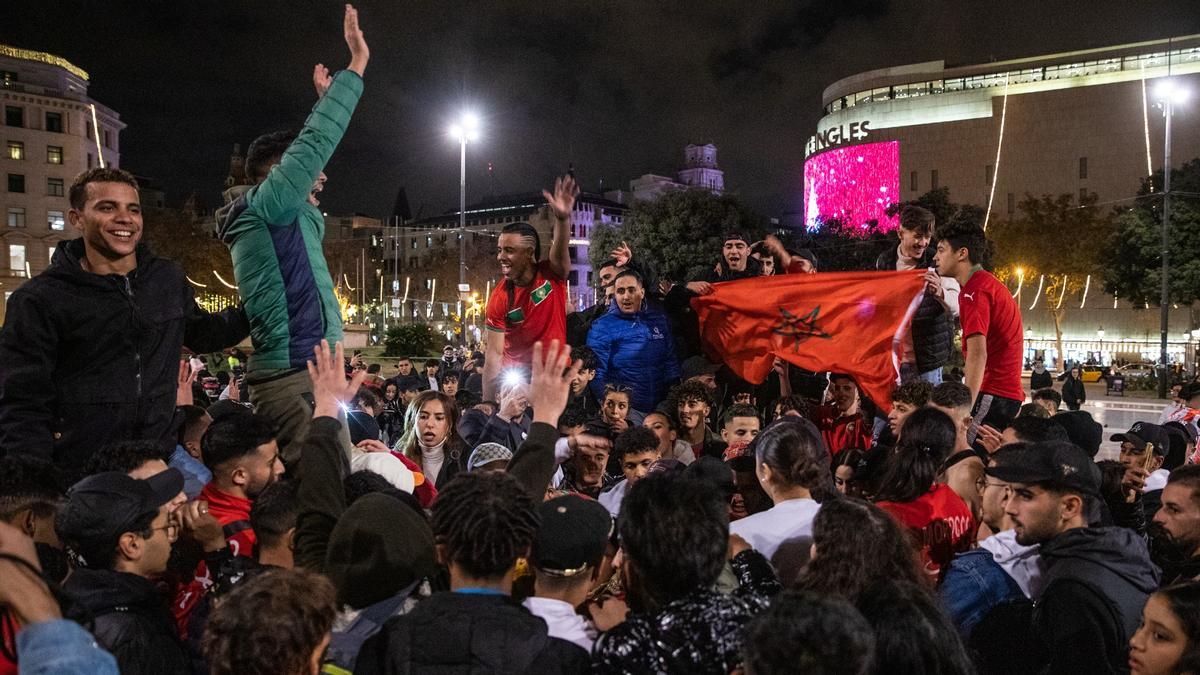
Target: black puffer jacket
86 359
465 633
932 325
1097 581
130 620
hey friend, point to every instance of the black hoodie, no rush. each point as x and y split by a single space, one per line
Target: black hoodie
87 358
131 621
1096 582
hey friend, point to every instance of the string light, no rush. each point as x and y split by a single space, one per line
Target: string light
347 280
1146 126
1063 295
96 133
227 284
996 165
406 281
1041 279
194 282
1086 285
1020 280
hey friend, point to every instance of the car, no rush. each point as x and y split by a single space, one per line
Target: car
1136 370
1090 374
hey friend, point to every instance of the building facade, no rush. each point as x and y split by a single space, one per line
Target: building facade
700 172
49 138
1080 123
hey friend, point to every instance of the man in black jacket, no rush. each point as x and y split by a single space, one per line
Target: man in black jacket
121 530
90 348
1175 531
933 322
1096 579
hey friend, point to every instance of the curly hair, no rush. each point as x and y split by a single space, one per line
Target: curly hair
965 230
485 521
791 402
858 544
634 440
28 482
690 390
123 457
270 624
77 195
806 632
913 392
951 395
265 149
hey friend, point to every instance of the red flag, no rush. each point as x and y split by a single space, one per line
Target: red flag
845 322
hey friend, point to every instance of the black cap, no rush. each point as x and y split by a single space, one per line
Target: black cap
1189 391
1144 433
807 254
1053 463
1082 429
695 366
102 507
571 537
1179 435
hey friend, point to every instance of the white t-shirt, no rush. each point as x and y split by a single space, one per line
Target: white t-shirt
563 622
782 533
612 497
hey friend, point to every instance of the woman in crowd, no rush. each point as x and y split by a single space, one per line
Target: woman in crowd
669 445
939 520
391 419
431 437
1073 392
1168 640
790 464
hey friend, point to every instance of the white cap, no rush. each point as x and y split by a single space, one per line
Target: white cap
384 464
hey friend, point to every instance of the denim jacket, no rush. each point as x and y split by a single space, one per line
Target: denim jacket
974 585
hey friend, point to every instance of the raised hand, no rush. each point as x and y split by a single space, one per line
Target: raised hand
359 53
328 374
321 79
622 254
550 384
563 199
183 384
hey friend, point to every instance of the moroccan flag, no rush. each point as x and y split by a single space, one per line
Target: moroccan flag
845 322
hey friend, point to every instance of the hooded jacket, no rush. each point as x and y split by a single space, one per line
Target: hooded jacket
932 326
274 236
131 621
1096 582
87 358
636 350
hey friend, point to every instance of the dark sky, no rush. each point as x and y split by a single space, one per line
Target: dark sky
617 88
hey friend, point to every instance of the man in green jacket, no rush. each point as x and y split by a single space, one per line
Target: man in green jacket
274 231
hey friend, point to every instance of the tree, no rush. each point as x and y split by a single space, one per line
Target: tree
187 238
1131 256
410 339
679 234
1052 240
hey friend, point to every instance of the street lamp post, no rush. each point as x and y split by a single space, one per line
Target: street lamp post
466 129
1169 93
1100 335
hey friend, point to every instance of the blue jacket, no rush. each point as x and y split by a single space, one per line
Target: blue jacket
975 584
636 350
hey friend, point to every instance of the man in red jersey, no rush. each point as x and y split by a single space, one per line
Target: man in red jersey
530 302
991 323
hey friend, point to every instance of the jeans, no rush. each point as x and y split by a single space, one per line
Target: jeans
975 585
909 372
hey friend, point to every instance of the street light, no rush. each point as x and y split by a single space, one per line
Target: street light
465 129
1169 92
1100 335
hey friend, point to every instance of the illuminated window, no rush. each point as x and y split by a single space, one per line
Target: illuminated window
16 258
16 150
50 252
55 220
54 154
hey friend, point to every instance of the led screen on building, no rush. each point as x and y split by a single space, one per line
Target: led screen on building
854 184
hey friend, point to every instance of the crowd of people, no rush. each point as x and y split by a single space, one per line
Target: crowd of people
587 492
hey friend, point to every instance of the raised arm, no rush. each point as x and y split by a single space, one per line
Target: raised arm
534 462
287 186
562 203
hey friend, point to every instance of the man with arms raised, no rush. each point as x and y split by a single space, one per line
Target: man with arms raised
530 303
274 230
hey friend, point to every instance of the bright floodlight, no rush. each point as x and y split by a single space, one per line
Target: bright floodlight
1171 90
467 128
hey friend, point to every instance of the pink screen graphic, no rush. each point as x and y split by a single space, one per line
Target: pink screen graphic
854 184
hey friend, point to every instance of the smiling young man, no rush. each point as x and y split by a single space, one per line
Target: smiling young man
90 348
274 232
991 323
1095 579
530 302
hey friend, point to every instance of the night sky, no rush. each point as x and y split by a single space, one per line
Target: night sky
616 88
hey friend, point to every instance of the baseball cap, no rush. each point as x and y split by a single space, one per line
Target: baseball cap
102 507
573 533
807 254
695 366
486 453
1053 463
1179 435
1143 433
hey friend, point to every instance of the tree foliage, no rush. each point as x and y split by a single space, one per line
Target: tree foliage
189 239
410 339
680 233
1131 256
